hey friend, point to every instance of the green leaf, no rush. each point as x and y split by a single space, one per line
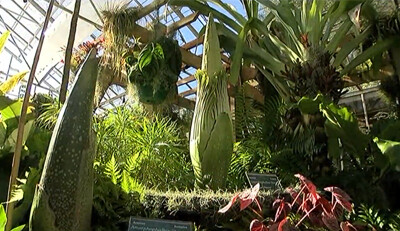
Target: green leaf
10 111
339 35
27 187
342 124
19 228
283 11
371 52
391 149
206 10
347 48
3 218
3 39
231 10
12 138
285 16
3 133
237 56
263 57
277 82
145 57
314 25
333 147
10 83
308 105
158 51
339 8
275 40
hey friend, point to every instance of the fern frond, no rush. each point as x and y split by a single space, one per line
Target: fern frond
112 170
131 163
272 109
130 184
371 216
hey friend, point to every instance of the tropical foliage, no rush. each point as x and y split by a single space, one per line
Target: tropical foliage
303 54
130 140
306 203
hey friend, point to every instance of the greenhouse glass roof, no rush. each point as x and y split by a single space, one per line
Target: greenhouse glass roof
25 21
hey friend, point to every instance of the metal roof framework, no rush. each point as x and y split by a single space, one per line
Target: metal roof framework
25 20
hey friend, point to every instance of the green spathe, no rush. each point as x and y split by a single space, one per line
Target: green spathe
211 136
63 197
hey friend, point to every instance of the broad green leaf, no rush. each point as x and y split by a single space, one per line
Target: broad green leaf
278 44
145 57
267 20
12 138
391 149
340 8
10 83
269 61
255 6
339 35
237 56
304 14
342 124
3 218
3 39
308 105
231 10
314 25
347 48
10 111
333 147
371 52
27 187
285 49
285 16
206 10
284 12
19 228
277 82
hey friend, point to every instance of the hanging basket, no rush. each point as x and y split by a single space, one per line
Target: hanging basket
149 95
155 71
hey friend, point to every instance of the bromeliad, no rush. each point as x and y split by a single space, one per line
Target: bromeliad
211 136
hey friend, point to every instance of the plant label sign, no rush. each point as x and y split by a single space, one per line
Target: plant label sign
267 181
144 224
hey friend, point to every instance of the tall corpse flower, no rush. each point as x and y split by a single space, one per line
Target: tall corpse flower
211 136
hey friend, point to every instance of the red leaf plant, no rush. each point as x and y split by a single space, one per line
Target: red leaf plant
309 203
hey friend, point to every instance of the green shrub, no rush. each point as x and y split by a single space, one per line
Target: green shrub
150 149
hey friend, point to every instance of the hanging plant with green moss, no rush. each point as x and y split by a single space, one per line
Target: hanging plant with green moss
153 72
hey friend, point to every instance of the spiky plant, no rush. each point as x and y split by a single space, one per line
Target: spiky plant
211 137
314 76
